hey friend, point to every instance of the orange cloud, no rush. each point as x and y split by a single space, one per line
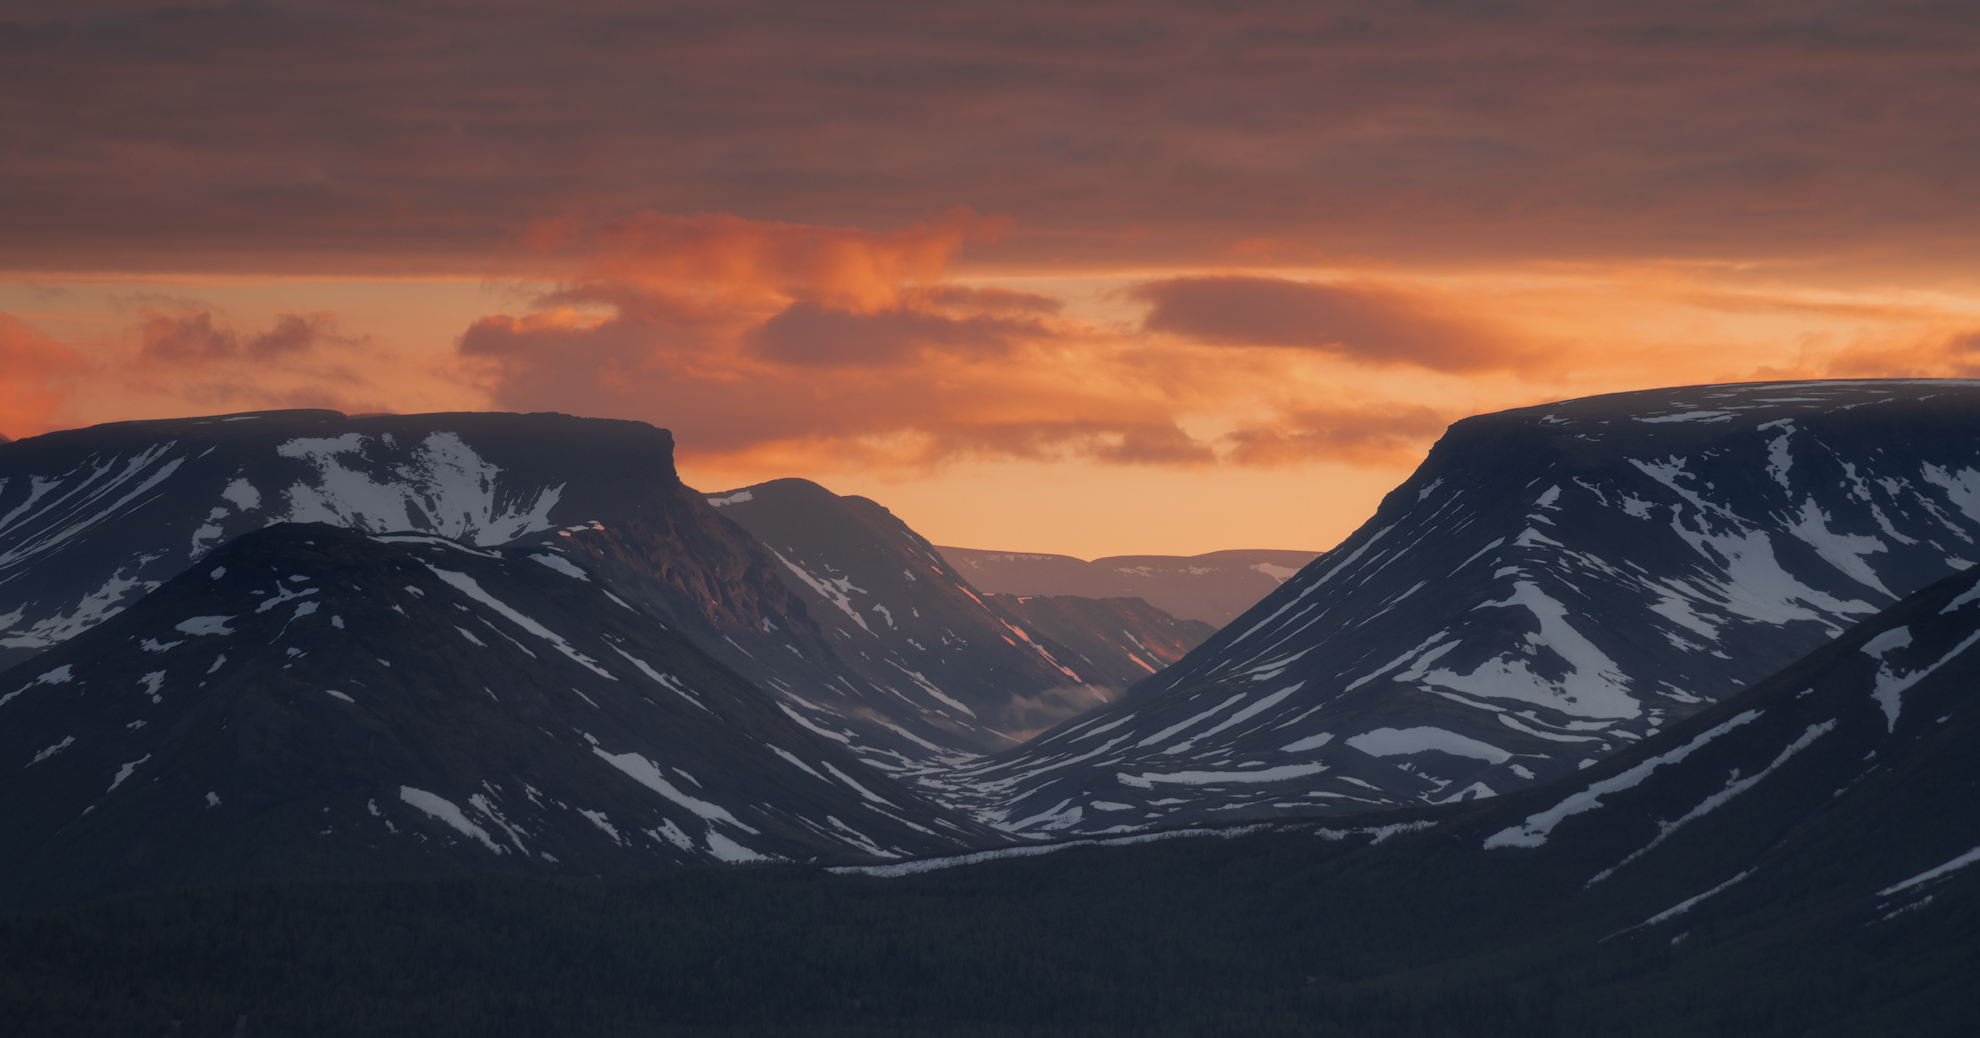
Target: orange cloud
1366 323
36 377
1389 434
194 338
811 335
720 259
834 344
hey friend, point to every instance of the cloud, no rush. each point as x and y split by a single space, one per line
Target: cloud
720 258
195 339
37 377
839 346
852 352
383 138
808 334
1366 323
1955 355
294 333
1372 435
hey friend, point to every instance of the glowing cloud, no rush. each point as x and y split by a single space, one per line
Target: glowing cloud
1363 322
37 377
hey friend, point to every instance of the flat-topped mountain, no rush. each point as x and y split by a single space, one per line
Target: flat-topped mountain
1554 583
90 519
1212 588
315 700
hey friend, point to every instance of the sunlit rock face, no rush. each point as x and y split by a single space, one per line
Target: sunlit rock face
1552 584
312 700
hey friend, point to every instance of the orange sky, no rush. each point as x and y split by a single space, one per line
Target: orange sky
1093 279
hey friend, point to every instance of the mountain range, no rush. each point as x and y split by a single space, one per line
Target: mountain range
1796 860
1552 587
1212 588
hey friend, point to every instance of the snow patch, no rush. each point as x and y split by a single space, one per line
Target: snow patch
562 565
1535 830
445 810
200 625
1393 742
647 774
444 486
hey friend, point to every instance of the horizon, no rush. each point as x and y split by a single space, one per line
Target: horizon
1127 279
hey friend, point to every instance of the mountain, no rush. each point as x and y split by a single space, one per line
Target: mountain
315 700
1801 860
895 611
1552 584
1213 588
91 519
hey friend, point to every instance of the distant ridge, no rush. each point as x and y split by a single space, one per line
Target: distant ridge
1213 587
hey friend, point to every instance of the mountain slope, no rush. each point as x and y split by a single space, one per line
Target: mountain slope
1123 639
1212 588
312 699
1552 584
1844 781
896 611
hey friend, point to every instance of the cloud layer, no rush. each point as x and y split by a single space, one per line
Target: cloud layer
418 137
822 345
1367 323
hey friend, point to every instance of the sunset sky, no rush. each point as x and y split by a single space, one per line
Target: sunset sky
1090 278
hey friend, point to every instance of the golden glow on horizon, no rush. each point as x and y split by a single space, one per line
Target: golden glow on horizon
1084 415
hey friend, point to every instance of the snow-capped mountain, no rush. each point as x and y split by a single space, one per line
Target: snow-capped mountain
312 699
91 519
896 612
1213 588
1553 584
